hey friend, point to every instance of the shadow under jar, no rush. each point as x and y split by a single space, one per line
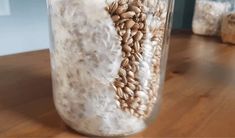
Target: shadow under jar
108 61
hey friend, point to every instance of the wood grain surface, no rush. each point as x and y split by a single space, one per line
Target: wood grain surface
198 97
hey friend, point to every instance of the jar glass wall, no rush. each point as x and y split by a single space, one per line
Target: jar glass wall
108 62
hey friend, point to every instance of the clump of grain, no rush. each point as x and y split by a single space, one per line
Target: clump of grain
140 26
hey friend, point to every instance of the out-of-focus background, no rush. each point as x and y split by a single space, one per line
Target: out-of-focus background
24 24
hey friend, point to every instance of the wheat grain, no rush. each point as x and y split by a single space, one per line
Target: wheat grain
127 15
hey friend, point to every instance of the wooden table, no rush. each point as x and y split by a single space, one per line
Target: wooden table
198 99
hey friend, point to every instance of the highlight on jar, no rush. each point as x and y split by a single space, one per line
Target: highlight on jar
108 62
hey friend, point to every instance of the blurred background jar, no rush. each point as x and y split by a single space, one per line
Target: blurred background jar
228 27
208 16
108 62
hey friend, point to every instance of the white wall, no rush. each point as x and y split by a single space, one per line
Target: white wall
4 7
25 29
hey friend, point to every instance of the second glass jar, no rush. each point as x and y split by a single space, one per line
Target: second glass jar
208 16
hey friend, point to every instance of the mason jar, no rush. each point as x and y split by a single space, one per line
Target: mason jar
208 16
108 60
228 27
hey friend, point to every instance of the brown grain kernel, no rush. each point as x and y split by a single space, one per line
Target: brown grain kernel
119 84
122 32
132 58
122 72
122 21
123 54
125 62
120 92
127 15
130 41
121 9
128 91
113 7
131 86
132 81
135 9
121 2
138 36
127 35
133 32
125 96
128 78
144 31
131 74
107 8
137 68
141 25
130 23
137 46
139 3
127 48
143 17
136 26
138 15
128 67
138 56
128 54
122 25
115 18
134 68
117 98
124 79
131 98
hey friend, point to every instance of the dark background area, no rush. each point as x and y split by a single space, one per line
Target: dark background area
183 14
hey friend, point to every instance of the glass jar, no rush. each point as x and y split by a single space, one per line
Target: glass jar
108 62
208 16
228 27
